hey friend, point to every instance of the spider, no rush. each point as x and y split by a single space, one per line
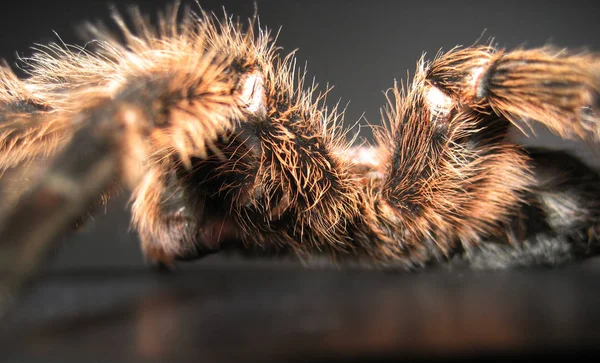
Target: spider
223 144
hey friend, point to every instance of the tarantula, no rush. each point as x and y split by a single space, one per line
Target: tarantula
222 144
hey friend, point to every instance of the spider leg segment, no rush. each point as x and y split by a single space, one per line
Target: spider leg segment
555 87
68 187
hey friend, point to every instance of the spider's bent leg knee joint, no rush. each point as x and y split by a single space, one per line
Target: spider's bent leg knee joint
441 166
554 87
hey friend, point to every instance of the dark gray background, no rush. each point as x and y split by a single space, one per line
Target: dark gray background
360 47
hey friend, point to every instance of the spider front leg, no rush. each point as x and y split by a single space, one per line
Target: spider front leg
110 144
180 111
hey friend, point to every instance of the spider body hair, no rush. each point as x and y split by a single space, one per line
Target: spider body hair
222 144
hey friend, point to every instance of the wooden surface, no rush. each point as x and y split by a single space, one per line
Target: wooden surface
268 311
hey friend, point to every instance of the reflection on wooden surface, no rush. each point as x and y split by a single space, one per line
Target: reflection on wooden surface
275 313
